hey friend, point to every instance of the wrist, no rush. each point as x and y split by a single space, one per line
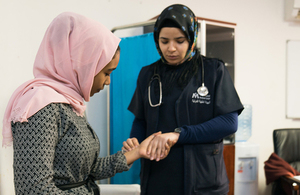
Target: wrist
177 130
176 135
132 155
137 152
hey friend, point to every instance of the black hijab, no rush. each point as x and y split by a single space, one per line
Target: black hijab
183 18
179 16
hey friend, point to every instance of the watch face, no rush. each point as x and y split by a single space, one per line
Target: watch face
177 130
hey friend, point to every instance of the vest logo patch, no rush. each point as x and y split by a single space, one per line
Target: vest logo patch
197 99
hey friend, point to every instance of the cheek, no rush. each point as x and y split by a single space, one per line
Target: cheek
184 50
162 49
98 82
101 82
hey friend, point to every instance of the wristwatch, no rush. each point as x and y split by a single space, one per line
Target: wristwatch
177 130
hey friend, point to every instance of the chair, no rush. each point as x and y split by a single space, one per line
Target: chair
287 146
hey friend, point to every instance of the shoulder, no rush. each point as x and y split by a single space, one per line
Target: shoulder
54 107
213 61
147 71
214 65
42 119
54 110
149 67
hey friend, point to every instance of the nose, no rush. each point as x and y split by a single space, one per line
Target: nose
107 81
172 46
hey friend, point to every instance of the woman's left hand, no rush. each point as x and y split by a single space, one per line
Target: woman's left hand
145 145
130 144
156 148
141 150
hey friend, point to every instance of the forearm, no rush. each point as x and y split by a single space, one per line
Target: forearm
108 166
132 156
212 130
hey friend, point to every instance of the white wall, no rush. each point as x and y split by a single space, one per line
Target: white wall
261 34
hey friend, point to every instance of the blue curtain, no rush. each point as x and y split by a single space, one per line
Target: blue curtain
136 52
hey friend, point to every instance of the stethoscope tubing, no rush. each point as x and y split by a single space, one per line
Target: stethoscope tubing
155 76
202 90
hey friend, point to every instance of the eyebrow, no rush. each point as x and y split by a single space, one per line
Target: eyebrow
183 37
111 69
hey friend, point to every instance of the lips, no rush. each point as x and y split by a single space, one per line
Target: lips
172 57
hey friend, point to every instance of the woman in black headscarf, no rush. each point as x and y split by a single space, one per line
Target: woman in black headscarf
189 98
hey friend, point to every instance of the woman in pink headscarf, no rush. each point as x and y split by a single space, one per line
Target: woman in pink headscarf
55 149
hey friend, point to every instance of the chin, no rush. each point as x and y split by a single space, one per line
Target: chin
173 63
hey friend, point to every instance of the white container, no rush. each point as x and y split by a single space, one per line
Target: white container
246 168
244 124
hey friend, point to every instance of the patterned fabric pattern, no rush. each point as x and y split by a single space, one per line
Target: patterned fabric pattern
184 18
56 147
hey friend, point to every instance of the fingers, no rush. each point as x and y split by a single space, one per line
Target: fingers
171 143
143 147
134 142
124 149
167 148
130 144
157 133
157 146
159 151
152 147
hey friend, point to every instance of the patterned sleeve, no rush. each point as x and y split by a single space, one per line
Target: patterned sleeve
108 166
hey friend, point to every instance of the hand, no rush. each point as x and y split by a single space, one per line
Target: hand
157 147
141 150
145 144
130 144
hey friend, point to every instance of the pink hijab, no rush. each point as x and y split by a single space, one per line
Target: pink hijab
73 50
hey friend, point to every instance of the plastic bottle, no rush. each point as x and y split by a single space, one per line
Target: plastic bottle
244 124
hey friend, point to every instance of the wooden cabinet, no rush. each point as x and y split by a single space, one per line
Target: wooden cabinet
229 158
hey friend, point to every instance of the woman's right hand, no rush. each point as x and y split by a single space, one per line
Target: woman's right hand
130 144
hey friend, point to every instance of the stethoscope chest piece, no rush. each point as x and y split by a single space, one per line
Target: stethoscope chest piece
202 91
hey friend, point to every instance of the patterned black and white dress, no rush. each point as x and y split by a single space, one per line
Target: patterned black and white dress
58 147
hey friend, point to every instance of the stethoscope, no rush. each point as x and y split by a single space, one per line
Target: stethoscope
153 78
202 90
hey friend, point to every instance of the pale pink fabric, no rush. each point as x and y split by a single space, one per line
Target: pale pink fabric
73 50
